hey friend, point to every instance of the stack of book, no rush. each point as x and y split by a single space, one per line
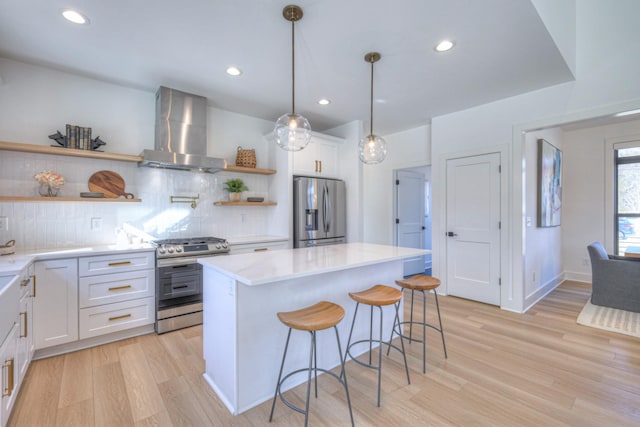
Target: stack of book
78 137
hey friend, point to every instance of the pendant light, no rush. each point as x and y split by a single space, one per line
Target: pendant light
292 131
372 148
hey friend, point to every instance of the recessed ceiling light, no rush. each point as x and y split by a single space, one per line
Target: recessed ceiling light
444 46
234 71
75 17
324 101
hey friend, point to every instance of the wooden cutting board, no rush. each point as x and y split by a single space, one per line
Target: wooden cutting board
109 183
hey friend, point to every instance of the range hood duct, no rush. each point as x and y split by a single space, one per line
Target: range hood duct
181 134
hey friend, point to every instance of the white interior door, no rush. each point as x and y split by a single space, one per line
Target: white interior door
410 216
473 228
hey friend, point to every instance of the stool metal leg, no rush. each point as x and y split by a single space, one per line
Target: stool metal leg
404 354
346 387
444 346
275 394
312 351
424 332
411 320
379 355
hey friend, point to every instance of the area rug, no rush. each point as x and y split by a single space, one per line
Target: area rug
610 319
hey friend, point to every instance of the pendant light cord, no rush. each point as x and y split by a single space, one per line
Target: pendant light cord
293 69
371 104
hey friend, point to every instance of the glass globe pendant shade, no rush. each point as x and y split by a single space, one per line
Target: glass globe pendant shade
372 149
292 132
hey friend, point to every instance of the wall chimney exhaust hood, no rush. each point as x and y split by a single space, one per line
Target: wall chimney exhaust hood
181 134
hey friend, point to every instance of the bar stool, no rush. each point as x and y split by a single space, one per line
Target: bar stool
320 316
421 283
376 296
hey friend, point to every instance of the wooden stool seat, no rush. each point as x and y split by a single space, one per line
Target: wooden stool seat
378 295
317 317
419 282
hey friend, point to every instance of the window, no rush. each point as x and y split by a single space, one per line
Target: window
627 198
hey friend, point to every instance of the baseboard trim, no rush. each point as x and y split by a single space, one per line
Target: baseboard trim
533 298
92 342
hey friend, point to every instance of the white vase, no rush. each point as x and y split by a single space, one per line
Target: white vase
234 197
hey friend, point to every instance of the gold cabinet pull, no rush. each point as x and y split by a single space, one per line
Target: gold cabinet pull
124 316
119 263
34 285
119 288
320 163
317 166
24 324
9 390
260 249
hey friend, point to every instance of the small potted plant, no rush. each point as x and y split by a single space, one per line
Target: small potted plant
235 187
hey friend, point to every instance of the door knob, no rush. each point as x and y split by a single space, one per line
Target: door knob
451 234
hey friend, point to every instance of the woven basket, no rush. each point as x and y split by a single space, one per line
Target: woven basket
246 158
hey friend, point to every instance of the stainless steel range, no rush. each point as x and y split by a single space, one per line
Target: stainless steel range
179 280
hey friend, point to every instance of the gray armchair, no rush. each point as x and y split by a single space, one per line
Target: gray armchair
615 279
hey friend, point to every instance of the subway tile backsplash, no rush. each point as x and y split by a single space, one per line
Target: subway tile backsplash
45 225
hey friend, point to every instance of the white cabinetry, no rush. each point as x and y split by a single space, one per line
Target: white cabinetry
244 248
26 343
9 373
10 376
116 292
319 158
55 302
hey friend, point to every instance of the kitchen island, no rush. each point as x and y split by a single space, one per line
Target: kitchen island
243 339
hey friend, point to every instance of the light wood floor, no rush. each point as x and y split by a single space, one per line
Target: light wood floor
504 369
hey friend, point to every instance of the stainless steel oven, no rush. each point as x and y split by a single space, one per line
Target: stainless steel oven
179 280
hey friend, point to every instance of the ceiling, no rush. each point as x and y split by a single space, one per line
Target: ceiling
502 48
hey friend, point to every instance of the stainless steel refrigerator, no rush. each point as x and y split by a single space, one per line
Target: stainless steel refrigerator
319 211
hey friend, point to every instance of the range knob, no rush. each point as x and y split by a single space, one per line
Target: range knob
161 251
218 246
224 245
179 249
170 250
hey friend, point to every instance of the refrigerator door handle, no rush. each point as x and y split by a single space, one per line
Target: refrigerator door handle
327 209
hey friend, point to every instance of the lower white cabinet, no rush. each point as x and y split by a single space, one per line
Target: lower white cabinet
25 334
117 292
55 302
10 374
104 319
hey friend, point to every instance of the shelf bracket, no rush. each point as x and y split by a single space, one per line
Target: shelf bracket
186 199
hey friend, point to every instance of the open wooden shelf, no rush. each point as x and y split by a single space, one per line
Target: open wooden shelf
66 199
61 151
228 203
241 169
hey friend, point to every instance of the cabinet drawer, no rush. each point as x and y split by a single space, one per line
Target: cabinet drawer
110 288
106 264
115 317
244 248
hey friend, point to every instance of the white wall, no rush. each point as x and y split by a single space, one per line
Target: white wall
406 149
36 101
543 264
606 82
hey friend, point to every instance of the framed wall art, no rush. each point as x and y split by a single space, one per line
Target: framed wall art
549 184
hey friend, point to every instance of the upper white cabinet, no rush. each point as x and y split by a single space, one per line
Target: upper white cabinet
55 303
319 158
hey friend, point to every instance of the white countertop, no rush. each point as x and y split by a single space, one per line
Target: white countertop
13 264
272 266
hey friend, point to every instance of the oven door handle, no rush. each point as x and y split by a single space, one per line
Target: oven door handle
169 262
